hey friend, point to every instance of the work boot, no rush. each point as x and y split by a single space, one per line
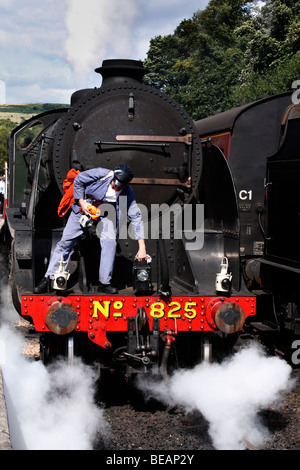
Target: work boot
42 286
107 288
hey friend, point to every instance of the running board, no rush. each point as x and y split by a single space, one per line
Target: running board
263 327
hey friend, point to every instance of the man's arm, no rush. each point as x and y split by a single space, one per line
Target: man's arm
85 178
141 254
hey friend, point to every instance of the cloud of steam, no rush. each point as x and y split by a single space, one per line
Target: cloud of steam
93 28
49 408
229 395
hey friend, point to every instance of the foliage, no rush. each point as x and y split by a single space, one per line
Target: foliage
6 127
229 53
34 108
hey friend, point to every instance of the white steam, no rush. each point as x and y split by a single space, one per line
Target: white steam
49 408
53 408
229 395
94 27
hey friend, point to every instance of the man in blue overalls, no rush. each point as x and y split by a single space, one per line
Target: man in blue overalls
102 186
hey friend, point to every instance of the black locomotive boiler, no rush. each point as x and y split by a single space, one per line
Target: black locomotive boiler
261 143
196 295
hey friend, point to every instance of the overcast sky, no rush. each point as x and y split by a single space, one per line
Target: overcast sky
49 48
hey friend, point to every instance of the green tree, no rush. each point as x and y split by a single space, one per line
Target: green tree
6 127
228 53
270 41
201 59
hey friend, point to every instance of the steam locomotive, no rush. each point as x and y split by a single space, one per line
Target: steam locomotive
190 298
260 141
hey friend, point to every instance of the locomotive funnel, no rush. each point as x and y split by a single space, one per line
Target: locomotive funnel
116 70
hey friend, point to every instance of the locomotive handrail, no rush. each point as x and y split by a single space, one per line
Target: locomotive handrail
162 181
131 143
186 139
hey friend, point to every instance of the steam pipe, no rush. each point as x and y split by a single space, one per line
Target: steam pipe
164 360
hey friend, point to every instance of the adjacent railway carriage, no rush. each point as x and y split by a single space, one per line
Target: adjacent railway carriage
260 141
190 293
248 135
279 269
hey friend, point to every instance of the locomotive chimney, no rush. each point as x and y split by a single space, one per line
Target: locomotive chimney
117 71
114 72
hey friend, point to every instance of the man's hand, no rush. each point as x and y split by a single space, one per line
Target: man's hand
84 206
141 254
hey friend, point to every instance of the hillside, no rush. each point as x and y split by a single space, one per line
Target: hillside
18 113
